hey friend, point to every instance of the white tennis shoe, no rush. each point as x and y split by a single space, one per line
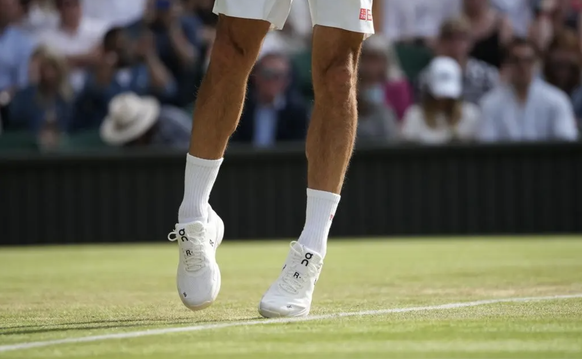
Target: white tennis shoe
292 292
198 278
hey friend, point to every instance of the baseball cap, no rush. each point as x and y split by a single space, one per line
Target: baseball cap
445 78
377 43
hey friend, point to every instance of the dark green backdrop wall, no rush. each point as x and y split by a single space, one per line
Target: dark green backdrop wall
453 190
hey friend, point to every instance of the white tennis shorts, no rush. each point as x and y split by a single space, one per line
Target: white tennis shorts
351 15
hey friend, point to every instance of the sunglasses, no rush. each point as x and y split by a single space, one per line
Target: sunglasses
68 3
459 36
272 74
525 60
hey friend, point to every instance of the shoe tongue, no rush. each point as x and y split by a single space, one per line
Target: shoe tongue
307 253
195 227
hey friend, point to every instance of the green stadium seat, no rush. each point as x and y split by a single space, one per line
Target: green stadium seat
302 66
85 140
413 59
18 140
189 109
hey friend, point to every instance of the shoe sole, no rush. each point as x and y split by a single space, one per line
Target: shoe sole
265 313
207 304
199 307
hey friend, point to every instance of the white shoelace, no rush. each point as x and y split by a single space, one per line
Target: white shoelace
289 282
192 247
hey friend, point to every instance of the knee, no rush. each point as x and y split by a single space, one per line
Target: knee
335 61
238 42
336 74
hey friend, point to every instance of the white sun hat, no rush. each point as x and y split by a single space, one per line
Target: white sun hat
129 117
445 78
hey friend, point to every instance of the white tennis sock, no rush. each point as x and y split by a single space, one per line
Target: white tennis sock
321 207
198 182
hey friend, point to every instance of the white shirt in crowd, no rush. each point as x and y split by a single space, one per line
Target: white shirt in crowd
415 128
546 115
88 37
409 19
39 20
519 12
114 12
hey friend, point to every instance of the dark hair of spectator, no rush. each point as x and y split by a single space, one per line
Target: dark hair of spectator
271 56
25 4
518 42
566 40
61 3
110 37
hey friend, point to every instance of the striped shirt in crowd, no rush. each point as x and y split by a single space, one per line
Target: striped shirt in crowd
478 79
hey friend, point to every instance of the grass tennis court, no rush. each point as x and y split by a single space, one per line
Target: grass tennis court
49 293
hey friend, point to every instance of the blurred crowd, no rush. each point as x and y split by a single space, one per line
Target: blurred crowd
124 73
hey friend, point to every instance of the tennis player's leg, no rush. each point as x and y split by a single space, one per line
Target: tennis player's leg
340 28
242 27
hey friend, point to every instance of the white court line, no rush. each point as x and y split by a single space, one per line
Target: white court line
21 346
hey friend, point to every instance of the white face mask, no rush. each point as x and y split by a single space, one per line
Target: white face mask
374 94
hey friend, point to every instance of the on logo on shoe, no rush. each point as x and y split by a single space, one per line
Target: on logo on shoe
308 256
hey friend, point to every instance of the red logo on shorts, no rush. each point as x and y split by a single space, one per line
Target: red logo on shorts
366 14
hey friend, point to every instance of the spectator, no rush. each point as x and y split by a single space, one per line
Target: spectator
45 108
115 13
16 50
380 68
442 115
202 9
38 16
273 113
455 41
519 12
414 20
122 68
176 42
527 108
553 16
135 121
562 67
77 37
377 122
490 31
